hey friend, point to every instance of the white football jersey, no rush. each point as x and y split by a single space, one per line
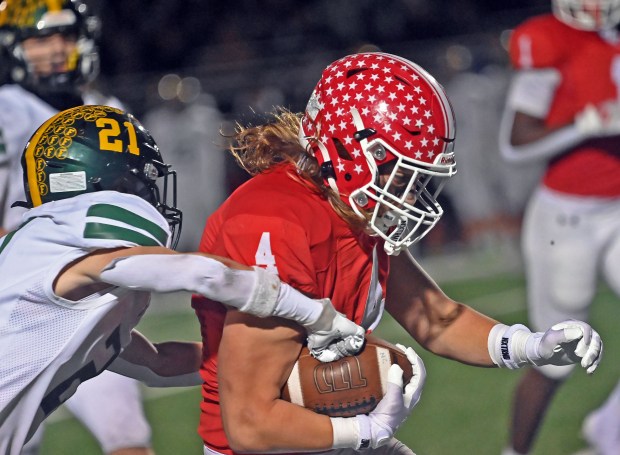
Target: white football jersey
21 113
49 345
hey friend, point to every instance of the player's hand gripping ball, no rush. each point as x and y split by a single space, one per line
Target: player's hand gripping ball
346 387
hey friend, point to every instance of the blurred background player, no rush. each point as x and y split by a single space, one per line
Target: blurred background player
563 106
52 56
187 125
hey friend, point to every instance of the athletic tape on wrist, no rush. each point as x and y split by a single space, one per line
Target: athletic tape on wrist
264 297
507 345
345 433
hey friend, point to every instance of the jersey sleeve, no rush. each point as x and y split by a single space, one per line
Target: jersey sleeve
538 43
277 244
120 221
122 227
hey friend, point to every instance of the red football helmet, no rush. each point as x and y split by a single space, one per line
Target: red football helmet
588 14
382 128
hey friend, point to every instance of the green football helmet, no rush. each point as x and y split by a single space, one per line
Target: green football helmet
94 148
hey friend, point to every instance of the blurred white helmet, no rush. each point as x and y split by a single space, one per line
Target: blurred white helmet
588 14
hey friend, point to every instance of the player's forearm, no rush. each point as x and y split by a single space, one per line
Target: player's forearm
465 339
533 141
167 364
282 427
168 358
255 358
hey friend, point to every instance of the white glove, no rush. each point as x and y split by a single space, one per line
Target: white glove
333 336
566 343
599 121
378 427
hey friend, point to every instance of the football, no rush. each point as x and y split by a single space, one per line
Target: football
349 386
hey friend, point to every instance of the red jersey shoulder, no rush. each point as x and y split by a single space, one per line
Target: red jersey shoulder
273 204
543 42
278 193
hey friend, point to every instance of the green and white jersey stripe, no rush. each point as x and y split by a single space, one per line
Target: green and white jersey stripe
106 221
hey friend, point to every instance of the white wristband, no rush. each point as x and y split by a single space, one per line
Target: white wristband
346 433
508 345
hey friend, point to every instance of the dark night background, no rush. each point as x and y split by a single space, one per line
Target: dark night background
231 46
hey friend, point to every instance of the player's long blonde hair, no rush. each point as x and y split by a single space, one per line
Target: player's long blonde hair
259 148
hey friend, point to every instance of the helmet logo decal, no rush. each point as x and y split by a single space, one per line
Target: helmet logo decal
35 169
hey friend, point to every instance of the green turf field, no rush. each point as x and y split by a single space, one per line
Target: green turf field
463 411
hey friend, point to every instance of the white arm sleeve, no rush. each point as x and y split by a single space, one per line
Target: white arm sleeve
152 379
531 92
252 291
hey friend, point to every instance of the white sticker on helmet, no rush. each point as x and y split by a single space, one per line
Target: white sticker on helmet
314 106
67 181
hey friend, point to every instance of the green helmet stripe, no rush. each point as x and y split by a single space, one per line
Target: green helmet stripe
133 221
111 232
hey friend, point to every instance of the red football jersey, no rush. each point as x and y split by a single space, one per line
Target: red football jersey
277 222
589 69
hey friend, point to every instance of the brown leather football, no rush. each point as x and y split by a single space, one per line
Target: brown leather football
346 387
